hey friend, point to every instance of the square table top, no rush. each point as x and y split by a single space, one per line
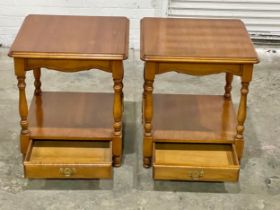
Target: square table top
72 37
196 40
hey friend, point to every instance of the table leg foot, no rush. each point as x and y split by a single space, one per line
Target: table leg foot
147 162
24 142
239 144
116 161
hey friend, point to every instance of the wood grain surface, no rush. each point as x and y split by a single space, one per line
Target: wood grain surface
65 115
68 159
193 118
73 37
194 154
196 40
195 162
67 152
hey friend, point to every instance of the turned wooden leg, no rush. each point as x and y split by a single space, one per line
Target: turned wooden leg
247 72
142 109
37 82
122 98
143 103
228 87
38 100
117 112
23 111
241 117
149 74
23 107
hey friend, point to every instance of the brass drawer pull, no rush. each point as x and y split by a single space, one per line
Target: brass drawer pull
196 174
67 171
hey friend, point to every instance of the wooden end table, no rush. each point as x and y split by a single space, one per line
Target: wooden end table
64 134
195 137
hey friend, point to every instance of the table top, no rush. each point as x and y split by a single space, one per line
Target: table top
72 37
196 40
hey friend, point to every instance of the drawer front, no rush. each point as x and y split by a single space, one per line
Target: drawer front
68 171
68 159
195 174
195 162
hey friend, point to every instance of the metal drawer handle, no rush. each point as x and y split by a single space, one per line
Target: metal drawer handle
196 174
67 171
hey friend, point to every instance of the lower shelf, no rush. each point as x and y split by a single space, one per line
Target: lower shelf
200 162
71 116
68 159
193 118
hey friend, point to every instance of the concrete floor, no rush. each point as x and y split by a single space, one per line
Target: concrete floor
132 186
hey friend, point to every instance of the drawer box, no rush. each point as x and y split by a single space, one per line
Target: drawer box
68 159
195 162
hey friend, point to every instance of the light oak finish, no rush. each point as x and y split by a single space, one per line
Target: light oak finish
37 82
199 162
55 115
228 87
196 40
68 159
71 44
196 47
193 118
72 37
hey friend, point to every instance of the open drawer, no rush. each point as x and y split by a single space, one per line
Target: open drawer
68 159
195 162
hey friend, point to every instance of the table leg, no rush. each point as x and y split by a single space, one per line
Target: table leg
37 82
228 87
149 75
242 110
23 107
117 112
241 117
143 102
